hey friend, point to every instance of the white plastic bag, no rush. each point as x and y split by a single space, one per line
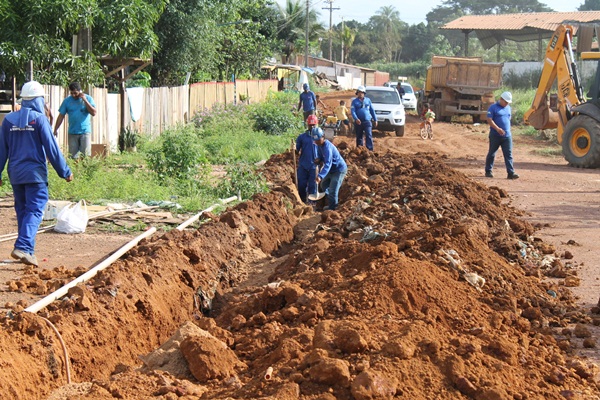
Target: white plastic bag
72 219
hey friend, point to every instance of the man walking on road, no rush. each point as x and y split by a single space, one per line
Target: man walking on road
80 108
26 141
364 118
498 117
308 101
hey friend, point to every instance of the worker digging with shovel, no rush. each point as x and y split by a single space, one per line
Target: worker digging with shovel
306 169
333 168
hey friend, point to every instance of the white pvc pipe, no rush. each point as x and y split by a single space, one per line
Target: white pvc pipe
88 275
197 216
92 272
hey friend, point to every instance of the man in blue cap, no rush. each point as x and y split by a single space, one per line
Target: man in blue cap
498 118
308 101
333 167
26 141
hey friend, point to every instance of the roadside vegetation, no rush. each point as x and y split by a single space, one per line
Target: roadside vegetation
179 166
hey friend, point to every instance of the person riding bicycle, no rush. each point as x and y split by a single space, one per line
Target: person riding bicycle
341 112
428 115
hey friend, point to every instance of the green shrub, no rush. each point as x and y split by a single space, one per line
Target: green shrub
273 116
242 179
179 155
526 80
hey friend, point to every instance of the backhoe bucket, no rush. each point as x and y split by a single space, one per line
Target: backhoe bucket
542 118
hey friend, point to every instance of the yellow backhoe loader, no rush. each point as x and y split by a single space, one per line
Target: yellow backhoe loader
576 119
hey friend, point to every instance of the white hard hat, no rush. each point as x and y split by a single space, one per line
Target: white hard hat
361 88
507 96
31 90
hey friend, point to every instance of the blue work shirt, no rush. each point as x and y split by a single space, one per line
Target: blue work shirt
26 141
501 116
80 120
331 158
363 110
308 150
309 101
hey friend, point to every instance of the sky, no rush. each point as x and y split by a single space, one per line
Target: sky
361 10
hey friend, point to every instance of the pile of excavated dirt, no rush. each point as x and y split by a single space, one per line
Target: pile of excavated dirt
422 285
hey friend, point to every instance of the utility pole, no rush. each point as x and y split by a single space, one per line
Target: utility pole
343 32
306 35
330 8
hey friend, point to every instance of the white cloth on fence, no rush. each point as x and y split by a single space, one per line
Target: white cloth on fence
136 102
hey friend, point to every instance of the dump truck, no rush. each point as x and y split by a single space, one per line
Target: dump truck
575 117
461 85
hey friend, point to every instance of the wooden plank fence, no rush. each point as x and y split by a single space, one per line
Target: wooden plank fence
161 107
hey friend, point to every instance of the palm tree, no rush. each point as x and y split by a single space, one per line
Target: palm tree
291 29
347 36
388 24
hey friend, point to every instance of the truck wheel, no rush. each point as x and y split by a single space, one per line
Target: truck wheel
581 142
400 131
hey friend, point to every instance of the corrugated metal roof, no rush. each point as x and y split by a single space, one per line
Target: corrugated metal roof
548 21
523 27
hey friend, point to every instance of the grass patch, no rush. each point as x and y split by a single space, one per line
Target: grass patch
554 151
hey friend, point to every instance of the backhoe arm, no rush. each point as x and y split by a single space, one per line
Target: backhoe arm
558 65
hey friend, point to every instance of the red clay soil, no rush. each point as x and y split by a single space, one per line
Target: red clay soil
424 284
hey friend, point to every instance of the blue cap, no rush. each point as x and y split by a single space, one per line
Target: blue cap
316 133
305 86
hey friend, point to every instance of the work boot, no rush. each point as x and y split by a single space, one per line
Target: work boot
489 174
28 259
512 176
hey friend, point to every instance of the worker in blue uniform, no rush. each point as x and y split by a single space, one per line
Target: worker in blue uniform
365 118
333 167
26 142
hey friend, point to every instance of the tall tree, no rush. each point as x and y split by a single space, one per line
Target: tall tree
186 41
248 38
479 7
42 31
589 5
291 29
388 25
347 36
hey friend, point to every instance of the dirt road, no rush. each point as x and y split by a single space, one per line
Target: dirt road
563 202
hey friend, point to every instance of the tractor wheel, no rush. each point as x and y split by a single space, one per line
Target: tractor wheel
400 131
581 142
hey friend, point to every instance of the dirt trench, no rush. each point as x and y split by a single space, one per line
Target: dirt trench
423 284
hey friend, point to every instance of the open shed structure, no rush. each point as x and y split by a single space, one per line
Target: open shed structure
492 30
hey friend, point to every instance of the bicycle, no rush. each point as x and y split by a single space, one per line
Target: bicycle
426 128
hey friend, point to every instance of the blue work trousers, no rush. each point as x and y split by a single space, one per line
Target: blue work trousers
506 144
306 181
30 201
332 183
365 128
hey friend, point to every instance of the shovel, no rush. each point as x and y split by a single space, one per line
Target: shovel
316 196
295 167
319 195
